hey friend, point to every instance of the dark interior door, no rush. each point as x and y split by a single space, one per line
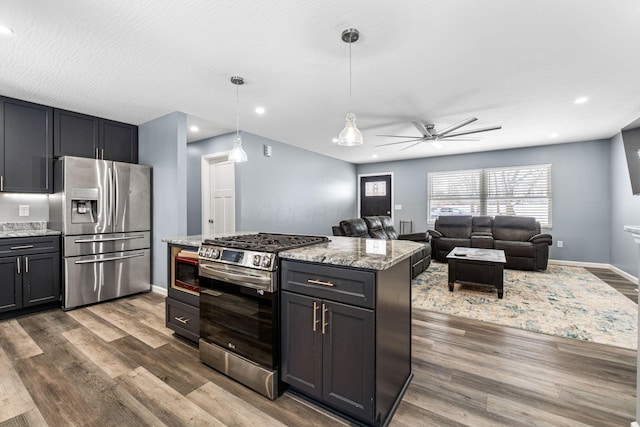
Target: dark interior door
375 195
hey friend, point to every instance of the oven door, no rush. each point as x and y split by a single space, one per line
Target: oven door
240 319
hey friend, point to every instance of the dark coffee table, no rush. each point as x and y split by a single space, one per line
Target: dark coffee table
475 266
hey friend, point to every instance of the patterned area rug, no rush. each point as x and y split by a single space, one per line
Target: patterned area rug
563 301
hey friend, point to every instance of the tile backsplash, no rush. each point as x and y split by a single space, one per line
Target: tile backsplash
10 207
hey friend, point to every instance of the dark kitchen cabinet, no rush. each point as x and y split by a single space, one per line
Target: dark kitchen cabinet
87 136
346 337
26 147
29 272
328 352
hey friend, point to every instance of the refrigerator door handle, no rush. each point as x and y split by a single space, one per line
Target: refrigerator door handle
118 258
109 239
115 195
110 202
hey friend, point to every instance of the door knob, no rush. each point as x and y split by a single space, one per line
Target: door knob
210 221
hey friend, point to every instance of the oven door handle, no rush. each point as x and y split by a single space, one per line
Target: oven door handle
249 280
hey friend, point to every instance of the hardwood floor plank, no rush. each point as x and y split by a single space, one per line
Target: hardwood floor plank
14 397
16 342
527 414
97 325
114 315
229 409
32 418
171 406
98 352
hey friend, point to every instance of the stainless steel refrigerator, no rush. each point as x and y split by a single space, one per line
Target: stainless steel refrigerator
103 210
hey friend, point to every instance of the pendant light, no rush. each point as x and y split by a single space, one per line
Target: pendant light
237 154
350 135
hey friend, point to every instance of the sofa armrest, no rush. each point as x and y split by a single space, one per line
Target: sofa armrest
416 237
434 233
541 238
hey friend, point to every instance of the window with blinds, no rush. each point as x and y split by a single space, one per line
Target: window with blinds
521 190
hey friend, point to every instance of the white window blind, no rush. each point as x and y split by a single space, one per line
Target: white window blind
521 190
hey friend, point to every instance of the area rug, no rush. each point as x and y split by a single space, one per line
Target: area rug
563 301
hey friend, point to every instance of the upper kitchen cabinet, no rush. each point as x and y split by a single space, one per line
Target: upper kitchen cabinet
119 141
26 147
75 134
87 136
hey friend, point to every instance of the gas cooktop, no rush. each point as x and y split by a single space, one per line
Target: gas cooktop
266 242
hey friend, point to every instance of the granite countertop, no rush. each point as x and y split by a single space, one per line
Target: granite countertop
25 229
194 241
370 254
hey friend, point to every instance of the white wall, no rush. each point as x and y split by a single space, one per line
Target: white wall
162 144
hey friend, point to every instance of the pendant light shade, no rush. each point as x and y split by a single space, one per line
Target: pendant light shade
350 135
237 154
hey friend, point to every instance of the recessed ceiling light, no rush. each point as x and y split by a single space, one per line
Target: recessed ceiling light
5 30
194 128
374 156
334 140
260 110
554 135
581 100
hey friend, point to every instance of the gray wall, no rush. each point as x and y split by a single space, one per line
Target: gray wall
294 190
162 144
581 182
10 203
625 211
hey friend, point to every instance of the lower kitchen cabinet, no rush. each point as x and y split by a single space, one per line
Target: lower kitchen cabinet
29 272
346 337
183 294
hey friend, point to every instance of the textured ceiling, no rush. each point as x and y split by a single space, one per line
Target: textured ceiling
515 63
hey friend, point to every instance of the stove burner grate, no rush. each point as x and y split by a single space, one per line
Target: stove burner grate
267 242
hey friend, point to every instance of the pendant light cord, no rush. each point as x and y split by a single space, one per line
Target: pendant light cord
350 43
237 113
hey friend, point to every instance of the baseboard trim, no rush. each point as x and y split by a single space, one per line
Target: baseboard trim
595 265
159 290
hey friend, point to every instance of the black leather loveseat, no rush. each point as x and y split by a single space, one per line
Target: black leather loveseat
381 227
519 237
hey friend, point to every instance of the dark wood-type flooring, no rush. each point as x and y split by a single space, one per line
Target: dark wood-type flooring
115 364
621 284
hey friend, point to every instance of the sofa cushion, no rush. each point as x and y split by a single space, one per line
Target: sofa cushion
454 226
515 228
516 249
354 227
481 224
387 224
375 227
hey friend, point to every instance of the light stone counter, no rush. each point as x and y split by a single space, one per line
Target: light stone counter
25 229
193 241
370 254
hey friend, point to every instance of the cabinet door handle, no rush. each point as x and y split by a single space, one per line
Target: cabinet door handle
320 282
315 316
1 182
15 248
182 320
324 313
18 264
26 264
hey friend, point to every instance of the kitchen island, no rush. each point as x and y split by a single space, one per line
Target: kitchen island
345 323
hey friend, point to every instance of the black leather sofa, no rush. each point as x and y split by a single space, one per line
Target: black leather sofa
381 227
519 237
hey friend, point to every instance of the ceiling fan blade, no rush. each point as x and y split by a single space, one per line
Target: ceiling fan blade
412 145
400 136
400 142
467 132
453 138
422 129
451 128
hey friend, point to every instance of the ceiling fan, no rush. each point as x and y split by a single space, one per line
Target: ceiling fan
430 134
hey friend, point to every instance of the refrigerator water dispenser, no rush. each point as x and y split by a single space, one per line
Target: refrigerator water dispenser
84 205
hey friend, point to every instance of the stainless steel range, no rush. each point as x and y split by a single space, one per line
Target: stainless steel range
239 314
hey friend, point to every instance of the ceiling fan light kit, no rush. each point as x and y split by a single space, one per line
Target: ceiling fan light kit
237 154
350 136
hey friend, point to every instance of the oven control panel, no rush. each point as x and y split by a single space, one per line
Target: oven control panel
239 257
